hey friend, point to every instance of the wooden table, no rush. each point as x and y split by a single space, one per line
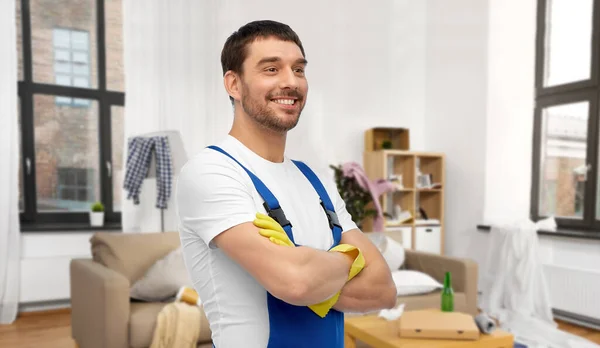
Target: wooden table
380 333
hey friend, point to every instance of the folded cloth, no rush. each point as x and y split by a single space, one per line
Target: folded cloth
177 325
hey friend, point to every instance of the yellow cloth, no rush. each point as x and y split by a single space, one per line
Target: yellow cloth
359 260
321 309
177 325
269 228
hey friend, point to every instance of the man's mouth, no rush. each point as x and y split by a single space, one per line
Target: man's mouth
285 101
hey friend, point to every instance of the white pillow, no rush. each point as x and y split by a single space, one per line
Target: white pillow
414 283
393 253
391 250
163 279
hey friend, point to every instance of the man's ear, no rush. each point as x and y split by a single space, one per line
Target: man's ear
231 81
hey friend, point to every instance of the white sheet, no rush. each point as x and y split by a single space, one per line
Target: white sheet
515 291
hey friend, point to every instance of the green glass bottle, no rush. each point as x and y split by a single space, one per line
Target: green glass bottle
447 294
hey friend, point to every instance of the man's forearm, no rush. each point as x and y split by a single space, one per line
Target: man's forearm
322 274
369 291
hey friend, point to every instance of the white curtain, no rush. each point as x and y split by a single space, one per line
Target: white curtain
9 153
168 75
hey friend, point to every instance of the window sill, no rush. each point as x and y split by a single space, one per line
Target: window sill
580 234
66 227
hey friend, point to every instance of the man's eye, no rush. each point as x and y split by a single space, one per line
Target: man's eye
300 71
271 69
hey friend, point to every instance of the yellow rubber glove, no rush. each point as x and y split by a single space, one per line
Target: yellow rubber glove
269 228
321 309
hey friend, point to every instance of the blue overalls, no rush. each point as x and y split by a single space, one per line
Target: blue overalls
293 326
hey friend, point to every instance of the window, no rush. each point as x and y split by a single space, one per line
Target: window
71 62
71 111
73 144
565 182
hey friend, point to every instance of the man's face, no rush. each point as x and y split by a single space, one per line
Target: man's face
273 85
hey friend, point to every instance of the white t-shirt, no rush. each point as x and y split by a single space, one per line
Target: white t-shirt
213 194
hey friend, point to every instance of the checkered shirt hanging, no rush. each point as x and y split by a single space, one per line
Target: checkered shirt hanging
140 150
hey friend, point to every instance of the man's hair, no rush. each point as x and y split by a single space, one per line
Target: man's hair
235 50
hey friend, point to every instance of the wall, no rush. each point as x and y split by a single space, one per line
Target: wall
455 98
509 131
382 84
45 259
366 68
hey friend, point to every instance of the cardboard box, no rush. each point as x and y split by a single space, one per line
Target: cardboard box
438 325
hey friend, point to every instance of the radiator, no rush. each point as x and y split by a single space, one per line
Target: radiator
574 292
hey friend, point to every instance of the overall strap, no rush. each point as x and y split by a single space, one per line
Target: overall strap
271 203
326 203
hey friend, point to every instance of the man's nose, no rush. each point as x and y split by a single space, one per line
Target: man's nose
288 79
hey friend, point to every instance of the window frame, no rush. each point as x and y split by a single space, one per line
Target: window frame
584 90
32 220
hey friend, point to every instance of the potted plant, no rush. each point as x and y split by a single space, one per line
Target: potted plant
97 214
386 144
356 198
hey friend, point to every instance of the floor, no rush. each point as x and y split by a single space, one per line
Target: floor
52 329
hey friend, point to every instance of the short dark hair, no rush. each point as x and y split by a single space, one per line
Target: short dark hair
235 49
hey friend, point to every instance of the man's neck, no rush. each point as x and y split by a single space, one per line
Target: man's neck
265 143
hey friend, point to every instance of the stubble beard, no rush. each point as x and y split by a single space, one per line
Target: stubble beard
265 116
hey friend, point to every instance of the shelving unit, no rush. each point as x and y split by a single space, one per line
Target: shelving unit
424 229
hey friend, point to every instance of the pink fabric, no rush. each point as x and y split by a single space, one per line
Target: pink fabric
375 188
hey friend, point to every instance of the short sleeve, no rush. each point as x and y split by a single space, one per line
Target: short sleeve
212 197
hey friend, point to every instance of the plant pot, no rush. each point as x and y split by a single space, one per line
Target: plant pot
97 219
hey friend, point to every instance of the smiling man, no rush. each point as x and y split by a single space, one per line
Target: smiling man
270 247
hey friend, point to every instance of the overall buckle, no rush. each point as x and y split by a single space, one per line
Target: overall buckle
278 215
331 217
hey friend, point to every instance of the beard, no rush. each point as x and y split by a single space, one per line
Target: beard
266 116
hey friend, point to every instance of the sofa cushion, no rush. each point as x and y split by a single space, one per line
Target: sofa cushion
142 321
432 300
131 254
163 279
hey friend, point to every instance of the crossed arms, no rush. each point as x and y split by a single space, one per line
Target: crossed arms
304 276
211 191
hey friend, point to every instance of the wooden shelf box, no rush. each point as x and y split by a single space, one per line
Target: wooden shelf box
399 137
415 233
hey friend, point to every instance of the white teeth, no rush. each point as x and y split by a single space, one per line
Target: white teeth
284 101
